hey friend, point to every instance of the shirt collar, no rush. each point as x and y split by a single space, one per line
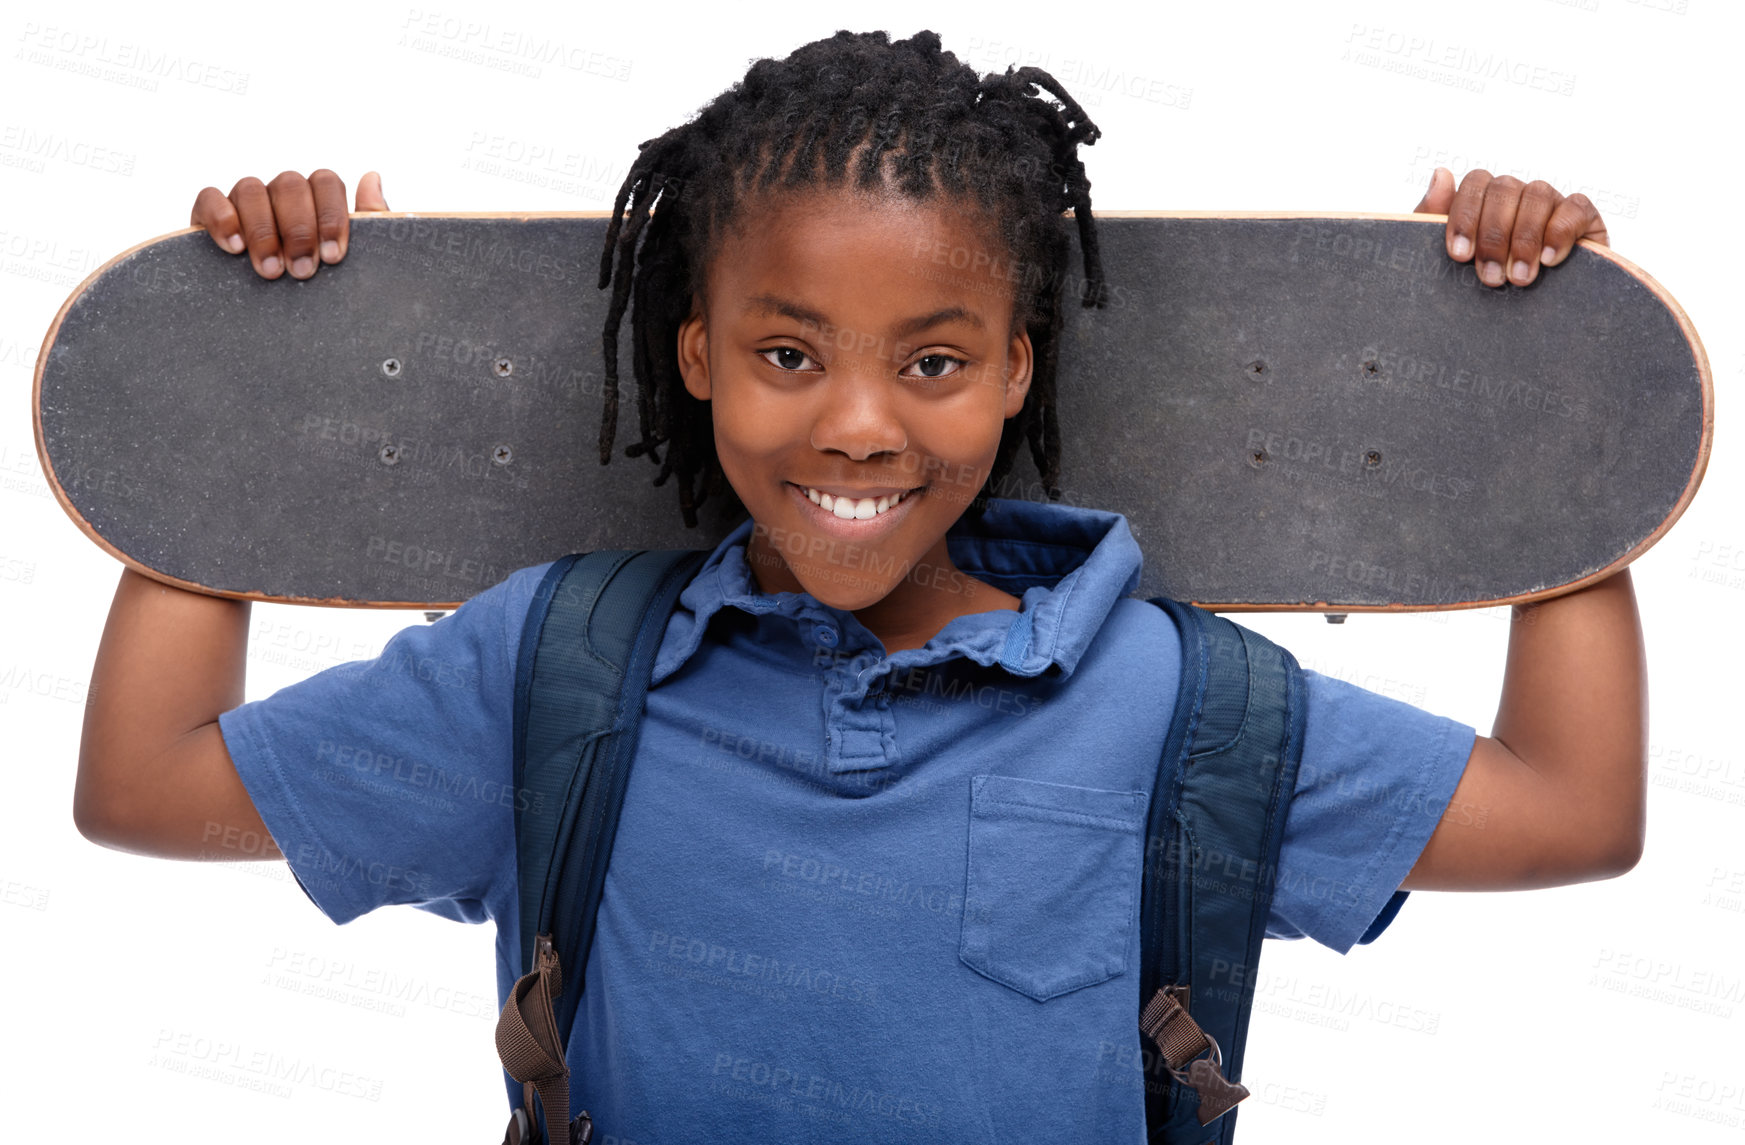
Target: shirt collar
1069 565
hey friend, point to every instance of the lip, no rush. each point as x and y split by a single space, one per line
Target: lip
852 528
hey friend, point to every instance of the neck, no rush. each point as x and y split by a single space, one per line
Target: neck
930 595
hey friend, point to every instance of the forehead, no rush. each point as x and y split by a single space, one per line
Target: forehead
840 251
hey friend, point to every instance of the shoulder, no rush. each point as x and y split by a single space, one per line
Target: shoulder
508 600
475 643
1145 620
518 588
1136 637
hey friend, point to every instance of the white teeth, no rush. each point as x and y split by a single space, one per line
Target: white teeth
850 509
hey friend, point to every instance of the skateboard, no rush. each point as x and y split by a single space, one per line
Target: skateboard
1293 412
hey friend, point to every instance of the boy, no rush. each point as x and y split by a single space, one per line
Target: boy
1562 776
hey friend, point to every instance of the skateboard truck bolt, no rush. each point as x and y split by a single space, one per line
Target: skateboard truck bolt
503 367
1257 458
1257 367
1372 458
391 368
1372 367
501 455
389 455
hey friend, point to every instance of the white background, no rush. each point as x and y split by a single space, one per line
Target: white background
1580 1008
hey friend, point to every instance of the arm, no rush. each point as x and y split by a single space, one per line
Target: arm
1557 793
154 775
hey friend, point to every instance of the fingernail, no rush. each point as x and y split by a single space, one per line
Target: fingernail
302 266
329 251
234 242
1547 255
1492 273
1462 246
270 265
1522 270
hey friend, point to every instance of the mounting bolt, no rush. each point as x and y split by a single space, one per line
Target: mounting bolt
1372 458
391 368
502 455
503 367
389 455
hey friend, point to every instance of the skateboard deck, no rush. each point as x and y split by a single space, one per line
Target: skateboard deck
1294 412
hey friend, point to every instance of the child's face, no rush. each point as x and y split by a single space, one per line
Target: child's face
826 352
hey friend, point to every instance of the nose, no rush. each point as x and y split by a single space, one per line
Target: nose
860 415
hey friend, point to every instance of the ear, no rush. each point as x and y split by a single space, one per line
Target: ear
694 352
1020 360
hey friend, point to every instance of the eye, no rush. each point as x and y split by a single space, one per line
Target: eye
788 359
933 366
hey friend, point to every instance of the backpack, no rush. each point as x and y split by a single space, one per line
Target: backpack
1214 828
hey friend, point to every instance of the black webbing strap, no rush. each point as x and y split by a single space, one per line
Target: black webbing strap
587 650
1216 822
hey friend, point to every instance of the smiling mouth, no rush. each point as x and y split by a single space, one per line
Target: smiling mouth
853 516
855 508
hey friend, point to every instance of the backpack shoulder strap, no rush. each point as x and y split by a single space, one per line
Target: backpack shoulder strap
1225 780
587 649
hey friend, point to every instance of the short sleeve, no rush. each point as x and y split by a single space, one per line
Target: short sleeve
1375 778
390 781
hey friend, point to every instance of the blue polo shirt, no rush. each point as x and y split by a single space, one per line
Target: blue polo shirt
853 896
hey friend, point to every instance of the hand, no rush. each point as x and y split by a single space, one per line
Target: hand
287 221
1515 225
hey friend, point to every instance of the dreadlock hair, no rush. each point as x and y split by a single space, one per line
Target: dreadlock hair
915 122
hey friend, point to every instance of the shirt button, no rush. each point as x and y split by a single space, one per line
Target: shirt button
825 635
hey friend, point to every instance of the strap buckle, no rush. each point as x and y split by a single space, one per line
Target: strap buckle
1181 1041
522 1130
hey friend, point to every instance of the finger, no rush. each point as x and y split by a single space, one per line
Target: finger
254 209
1575 218
369 193
332 224
214 212
1496 222
294 208
1436 200
1527 242
1463 214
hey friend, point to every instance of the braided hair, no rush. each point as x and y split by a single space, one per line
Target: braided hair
914 121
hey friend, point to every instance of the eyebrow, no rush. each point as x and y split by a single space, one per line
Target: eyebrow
774 304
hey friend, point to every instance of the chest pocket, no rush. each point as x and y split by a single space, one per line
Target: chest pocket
1052 894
